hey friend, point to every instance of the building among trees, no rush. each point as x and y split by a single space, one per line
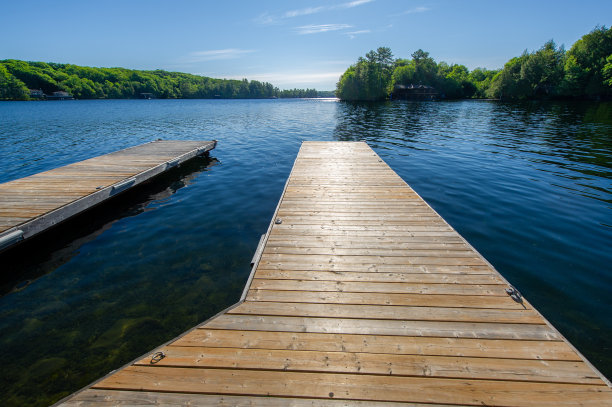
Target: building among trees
414 92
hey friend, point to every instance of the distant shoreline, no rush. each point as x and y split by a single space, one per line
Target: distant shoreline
25 80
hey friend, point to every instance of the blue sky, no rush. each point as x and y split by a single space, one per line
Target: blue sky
288 43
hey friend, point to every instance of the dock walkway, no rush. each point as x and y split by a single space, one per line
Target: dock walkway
33 204
363 296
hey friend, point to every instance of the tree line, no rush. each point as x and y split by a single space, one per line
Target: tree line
585 71
17 78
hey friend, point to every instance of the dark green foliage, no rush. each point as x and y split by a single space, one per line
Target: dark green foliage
548 72
17 77
11 88
369 78
532 75
585 65
299 93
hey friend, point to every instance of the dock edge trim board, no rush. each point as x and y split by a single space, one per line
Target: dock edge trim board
49 219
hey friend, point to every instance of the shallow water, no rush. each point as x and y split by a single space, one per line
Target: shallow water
529 185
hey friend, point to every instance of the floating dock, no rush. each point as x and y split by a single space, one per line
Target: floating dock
362 295
31 205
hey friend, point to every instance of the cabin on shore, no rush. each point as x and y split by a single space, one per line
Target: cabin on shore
60 95
37 94
414 92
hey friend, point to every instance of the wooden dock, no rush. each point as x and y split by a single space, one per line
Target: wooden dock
33 204
362 296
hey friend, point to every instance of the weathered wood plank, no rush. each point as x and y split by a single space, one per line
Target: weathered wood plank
417 300
380 344
375 363
382 253
389 277
407 260
527 332
388 312
355 386
95 397
371 287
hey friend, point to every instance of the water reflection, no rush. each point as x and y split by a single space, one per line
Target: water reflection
574 137
45 253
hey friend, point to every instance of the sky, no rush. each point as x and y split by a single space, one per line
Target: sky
291 44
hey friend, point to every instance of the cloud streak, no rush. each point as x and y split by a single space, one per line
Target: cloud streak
353 34
303 12
321 28
217 54
267 18
420 9
354 3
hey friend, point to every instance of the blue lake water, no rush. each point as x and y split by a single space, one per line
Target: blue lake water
529 185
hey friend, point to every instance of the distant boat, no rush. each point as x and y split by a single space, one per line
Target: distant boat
60 95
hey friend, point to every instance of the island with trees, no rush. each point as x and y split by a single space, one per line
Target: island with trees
585 71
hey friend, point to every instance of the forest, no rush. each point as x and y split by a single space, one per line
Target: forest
17 78
582 72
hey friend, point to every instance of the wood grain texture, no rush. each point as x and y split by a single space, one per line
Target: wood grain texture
356 386
363 296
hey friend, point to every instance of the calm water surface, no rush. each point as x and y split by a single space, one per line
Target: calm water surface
529 185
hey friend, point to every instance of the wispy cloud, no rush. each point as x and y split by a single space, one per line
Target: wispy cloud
217 54
303 12
267 18
354 3
420 9
321 28
353 34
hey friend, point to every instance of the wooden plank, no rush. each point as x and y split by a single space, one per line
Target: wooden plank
142 398
367 247
376 364
386 241
388 312
382 253
417 300
380 344
355 386
528 332
373 267
389 277
370 287
406 260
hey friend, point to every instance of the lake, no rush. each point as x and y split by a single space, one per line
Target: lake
528 185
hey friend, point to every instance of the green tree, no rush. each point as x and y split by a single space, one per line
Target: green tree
585 64
369 78
481 78
11 88
607 71
543 70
